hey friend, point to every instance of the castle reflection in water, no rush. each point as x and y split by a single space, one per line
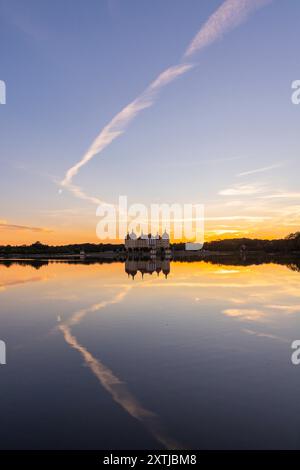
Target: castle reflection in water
132 267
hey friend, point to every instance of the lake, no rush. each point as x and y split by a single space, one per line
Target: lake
109 356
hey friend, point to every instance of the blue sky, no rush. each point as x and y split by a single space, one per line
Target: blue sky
70 66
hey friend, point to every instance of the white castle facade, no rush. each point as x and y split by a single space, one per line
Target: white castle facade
147 242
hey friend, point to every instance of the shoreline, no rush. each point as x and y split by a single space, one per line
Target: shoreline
177 255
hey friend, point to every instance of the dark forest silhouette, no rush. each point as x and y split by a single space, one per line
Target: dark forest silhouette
289 244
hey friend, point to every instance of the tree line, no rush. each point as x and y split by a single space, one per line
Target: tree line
289 244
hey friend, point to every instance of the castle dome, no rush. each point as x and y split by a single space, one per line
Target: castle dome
165 236
132 235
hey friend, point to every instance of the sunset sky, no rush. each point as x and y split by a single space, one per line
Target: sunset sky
224 133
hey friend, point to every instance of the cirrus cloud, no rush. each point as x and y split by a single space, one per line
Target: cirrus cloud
6 226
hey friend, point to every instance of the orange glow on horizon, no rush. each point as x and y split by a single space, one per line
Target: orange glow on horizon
58 238
63 236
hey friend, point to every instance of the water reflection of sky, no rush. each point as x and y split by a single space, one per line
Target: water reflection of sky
200 359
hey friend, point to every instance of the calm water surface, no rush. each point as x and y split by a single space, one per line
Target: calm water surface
197 360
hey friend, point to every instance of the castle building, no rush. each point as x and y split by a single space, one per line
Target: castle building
148 243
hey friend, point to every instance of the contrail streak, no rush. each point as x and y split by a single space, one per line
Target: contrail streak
228 16
120 393
80 194
117 389
260 170
118 124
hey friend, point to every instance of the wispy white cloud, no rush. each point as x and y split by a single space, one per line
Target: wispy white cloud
282 195
260 170
80 194
7 226
250 218
241 190
285 308
16 282
251 314
227 231
264 335
229 15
